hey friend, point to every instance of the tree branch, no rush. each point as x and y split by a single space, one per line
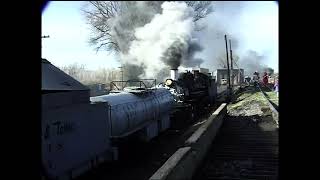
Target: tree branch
107 43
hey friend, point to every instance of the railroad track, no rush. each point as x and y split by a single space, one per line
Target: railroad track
246 147
273 107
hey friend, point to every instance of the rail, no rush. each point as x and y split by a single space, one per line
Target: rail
274 108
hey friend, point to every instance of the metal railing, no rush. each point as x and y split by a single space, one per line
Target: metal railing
141 83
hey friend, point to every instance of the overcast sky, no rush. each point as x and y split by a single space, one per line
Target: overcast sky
68 31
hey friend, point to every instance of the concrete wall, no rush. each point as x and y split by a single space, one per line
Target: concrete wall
184 162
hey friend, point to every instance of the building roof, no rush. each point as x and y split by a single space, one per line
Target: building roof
202 70
223 69
52 78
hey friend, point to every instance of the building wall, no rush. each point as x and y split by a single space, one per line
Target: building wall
223 74
238 79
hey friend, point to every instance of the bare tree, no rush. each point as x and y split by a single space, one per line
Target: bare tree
113 22
222 60
74 70
80 73
201 9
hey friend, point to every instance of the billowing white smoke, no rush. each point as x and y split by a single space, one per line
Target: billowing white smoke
251 25
166 42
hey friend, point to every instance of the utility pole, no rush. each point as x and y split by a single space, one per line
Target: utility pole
229 88
231 59
121 76
44 37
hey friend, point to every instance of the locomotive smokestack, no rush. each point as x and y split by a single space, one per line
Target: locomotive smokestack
174 74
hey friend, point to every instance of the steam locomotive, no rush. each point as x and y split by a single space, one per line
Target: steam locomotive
192 90
80 132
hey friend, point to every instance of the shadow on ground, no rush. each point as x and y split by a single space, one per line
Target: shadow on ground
246 147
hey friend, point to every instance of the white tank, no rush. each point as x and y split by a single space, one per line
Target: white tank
130 112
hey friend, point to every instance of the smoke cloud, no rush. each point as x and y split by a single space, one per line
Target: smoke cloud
133 14
252 28
165 43
253 61
157 36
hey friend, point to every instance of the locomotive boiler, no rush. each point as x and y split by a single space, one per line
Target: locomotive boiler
192 87
193 91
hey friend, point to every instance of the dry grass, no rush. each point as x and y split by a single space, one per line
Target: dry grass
248 97
273 97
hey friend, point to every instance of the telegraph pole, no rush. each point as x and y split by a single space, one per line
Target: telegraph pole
42 37
121 76
231 59
229 88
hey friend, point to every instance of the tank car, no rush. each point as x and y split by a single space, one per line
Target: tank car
77 130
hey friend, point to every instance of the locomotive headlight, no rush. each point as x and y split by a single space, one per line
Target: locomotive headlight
168 82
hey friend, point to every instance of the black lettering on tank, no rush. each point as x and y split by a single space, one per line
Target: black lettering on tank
57 124
47 132
59 146
63 128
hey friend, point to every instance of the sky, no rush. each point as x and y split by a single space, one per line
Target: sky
251 25
69 33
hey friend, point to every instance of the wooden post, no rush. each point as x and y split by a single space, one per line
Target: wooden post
229 88
231 59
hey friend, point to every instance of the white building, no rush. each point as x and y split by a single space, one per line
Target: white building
222 74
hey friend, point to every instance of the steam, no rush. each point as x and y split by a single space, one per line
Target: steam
252 27
190 60
253 61
154 37
166 42
172 56
133 14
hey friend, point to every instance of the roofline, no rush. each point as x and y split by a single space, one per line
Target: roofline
45 61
